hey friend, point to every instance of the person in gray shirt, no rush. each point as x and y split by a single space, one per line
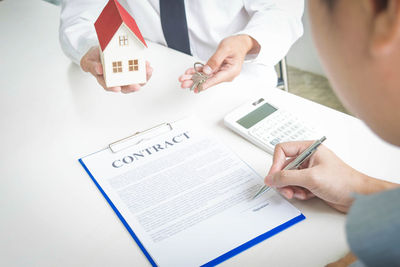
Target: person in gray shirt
373 229
359 45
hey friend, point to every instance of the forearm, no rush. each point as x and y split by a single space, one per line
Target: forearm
357 184
368 185
361 184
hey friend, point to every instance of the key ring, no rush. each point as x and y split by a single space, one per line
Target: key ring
198 78
195 67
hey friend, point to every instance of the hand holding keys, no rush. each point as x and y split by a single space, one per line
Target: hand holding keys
198 78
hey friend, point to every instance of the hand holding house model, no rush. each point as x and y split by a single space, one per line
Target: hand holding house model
121 46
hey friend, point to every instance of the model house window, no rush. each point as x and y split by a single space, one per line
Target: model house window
117 66
123 40
133 65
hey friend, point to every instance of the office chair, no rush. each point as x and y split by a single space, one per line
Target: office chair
283 82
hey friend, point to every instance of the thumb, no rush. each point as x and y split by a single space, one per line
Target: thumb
219 77
215 61
285 178
98 68
95 68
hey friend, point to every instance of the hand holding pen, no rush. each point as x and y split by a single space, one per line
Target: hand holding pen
296 163
323 175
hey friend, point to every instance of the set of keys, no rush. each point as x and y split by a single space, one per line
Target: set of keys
198 78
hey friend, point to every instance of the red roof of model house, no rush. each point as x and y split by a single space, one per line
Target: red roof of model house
109 21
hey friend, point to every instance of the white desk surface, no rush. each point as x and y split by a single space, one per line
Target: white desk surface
52 113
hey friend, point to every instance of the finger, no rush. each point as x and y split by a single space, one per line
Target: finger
187 84
300 193
291 192
287 162
283 151
130 88
149 74
115 89
98 68
287 192
191 71
216 60
185 77
91 57
219 77
293 149
309 195
149 71
95 68
84 63
301 178
100 80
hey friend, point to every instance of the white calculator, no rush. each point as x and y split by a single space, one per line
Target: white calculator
266 125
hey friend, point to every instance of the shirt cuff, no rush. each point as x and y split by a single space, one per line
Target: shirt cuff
75 42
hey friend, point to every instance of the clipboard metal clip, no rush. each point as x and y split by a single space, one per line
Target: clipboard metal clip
139 137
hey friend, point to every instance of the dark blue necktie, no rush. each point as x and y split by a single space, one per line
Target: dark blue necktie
174 25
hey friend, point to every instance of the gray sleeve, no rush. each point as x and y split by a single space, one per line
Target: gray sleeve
357 264
373 229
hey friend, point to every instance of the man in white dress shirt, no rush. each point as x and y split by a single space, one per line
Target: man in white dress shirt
222 33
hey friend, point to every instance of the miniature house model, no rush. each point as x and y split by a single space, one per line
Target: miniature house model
121 46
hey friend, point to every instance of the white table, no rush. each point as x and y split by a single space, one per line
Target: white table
51 114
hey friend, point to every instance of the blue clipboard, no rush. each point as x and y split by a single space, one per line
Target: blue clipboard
213 262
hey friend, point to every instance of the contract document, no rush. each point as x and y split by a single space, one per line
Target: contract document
186 198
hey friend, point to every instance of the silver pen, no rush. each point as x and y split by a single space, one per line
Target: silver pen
296 162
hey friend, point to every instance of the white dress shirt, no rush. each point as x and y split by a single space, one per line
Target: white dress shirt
274 24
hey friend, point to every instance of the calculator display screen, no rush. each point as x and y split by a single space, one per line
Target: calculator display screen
256 115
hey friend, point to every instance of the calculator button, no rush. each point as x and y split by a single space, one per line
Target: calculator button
275 141
280 126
